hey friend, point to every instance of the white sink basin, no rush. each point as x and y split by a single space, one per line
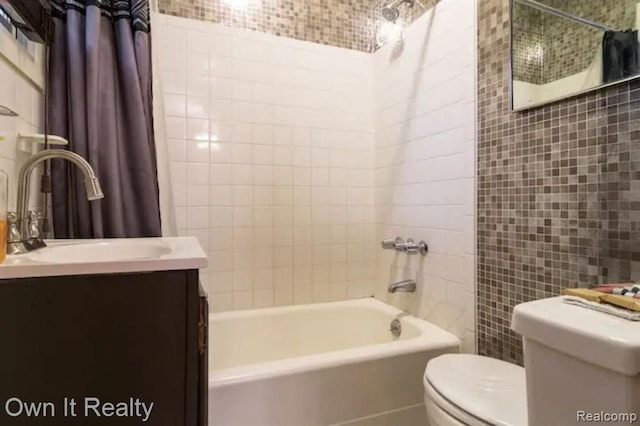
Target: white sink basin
101 252
106 256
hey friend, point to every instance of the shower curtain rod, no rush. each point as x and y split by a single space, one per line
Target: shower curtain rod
563 14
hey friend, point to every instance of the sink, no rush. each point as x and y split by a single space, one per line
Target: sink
100 252
106 256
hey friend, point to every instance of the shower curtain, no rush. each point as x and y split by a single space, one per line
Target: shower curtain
100 99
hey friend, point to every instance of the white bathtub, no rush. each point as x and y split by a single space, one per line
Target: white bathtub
322 364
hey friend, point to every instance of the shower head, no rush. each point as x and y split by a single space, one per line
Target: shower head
391 12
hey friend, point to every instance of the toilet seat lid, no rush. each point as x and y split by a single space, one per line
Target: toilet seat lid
489 389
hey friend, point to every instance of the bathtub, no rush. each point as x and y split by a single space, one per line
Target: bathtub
322 364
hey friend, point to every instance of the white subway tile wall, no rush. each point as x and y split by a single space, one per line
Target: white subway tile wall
425 132
291 161
271 155
17 93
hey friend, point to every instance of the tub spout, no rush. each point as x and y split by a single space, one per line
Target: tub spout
406 286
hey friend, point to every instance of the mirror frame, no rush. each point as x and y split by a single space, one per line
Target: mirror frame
554 100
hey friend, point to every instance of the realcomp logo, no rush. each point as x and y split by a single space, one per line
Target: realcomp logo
604 417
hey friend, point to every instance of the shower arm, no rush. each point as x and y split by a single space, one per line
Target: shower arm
400 2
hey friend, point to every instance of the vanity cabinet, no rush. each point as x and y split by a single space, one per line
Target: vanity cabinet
120 339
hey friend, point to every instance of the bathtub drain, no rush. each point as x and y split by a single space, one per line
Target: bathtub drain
396 328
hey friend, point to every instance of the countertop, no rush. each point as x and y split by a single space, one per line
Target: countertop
176 253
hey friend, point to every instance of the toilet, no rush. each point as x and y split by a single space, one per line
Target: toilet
579 362
473 390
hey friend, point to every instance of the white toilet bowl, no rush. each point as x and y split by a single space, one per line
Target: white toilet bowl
578 361
473 390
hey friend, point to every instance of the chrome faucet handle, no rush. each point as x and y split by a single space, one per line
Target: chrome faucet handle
411 247
15 245
34 239
34 224
13 231
390 244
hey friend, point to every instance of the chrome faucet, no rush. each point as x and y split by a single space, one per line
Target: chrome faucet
408 247
20 235
406 286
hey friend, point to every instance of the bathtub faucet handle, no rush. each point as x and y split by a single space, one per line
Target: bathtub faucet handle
411 247
390 244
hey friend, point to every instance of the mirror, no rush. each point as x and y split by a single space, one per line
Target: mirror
562 48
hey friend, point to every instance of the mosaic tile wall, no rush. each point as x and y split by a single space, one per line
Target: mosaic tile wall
351 24
548 48
342 23
528 39
558 191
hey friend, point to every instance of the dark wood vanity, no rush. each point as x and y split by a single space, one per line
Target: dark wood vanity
125 339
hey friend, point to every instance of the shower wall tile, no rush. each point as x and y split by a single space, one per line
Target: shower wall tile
272 164
424 166
20 95
557 199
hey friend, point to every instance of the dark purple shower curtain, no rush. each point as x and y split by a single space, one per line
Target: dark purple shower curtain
100 100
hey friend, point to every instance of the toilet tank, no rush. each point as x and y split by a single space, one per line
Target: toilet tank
581 365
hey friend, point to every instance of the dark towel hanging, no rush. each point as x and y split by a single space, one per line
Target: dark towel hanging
620 55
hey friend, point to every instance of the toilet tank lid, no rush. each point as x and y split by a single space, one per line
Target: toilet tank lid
489 389
607 341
